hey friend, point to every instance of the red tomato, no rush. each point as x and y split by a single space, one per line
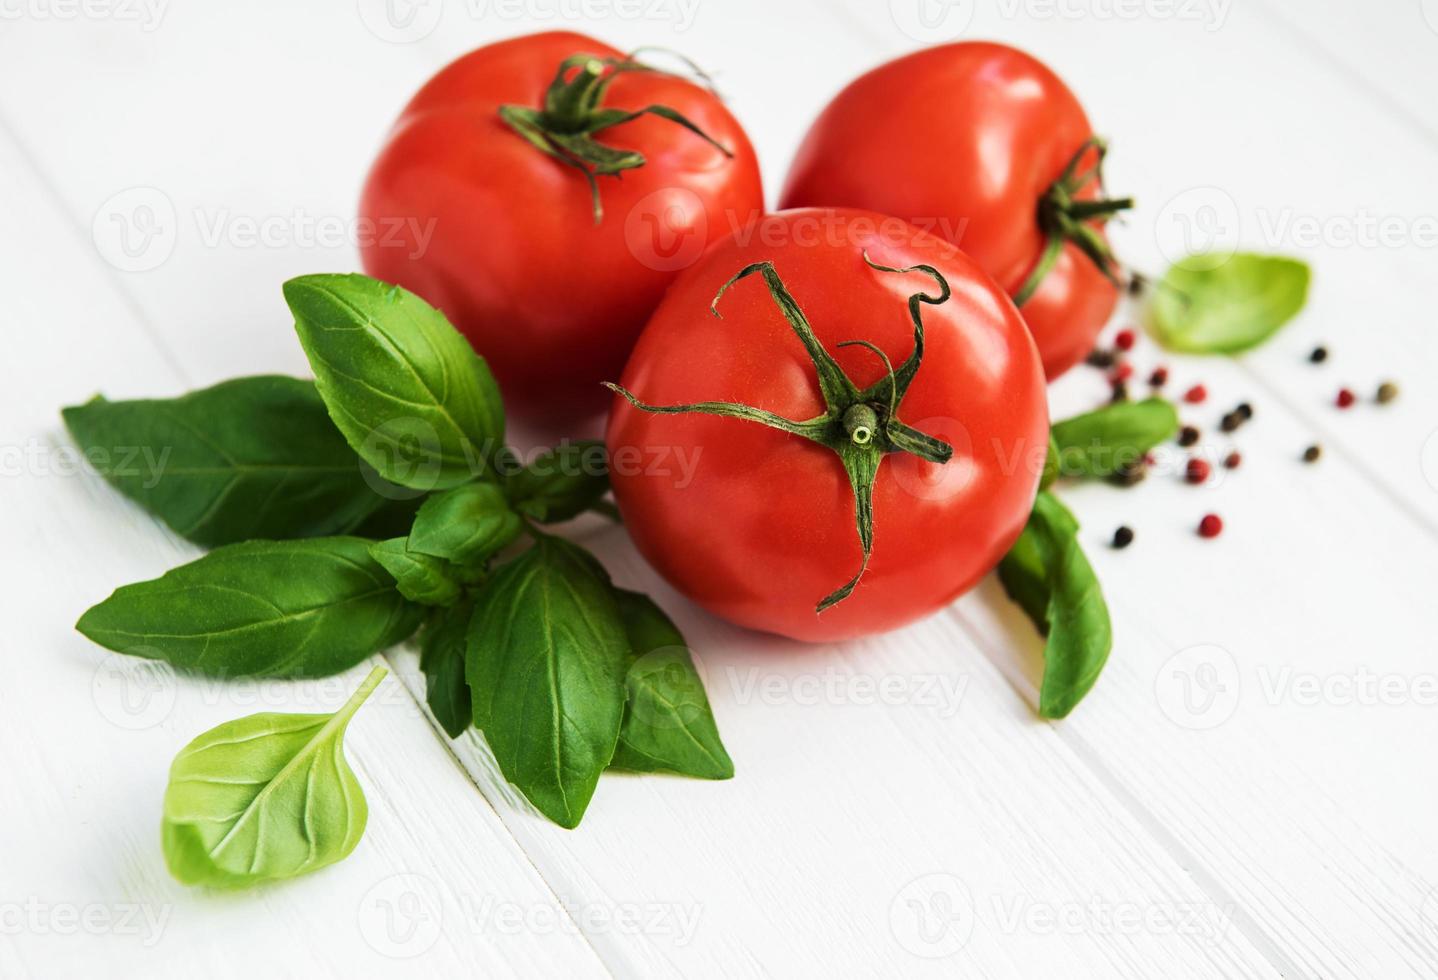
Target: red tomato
758 524
481 222
968 140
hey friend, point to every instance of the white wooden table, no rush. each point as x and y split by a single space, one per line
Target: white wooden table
1250 790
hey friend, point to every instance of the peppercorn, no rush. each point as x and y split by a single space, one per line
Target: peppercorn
1387 391
1318 355
1188 436
1159 377
1124 340
1136 284
1231 422
1244 409
1119 393
1130 474
1123 537
1099 358
1211 526
1311 454
1197 470
1345 398
1122 371
1232 460
1195 395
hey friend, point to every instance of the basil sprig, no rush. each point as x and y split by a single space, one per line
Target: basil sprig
1047 574
1211 305
1103 442
400 441
264 797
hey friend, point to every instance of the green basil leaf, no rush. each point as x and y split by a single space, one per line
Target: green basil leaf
668 724
421 578
546 662
260 608
405 388
1102 442
441 658
1047 574
249 458
1051 464
264 797
465 525
560 483
1208 306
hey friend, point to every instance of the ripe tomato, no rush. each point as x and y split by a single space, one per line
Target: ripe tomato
985 146
758 523
475 213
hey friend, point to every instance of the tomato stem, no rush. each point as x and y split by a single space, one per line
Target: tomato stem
572 115
860 425
1064 218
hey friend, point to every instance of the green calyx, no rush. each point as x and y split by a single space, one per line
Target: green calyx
565 126
861 426
1063 218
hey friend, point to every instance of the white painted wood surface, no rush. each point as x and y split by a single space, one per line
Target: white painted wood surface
943 830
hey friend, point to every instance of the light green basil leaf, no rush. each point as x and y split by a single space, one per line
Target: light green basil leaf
668 724
420 578
1047 574
405 388
546 662
465 525
264 797
560 483
265 608
441 658
1209 306
249 458
1105 441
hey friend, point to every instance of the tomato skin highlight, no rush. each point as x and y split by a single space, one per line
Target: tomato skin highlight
502 237
757 525
964 139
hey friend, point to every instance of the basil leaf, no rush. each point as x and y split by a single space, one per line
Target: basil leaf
441 658
264 797
420 578
1102 442
1209 308
1047 574
405 388
263 608
1051 464
668 724
561 483
546 662
465 525
249 458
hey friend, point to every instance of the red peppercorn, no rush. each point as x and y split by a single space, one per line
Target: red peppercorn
1197 471
1211 526
1122 371
1124 340
1345 398
1232 460
1195 395
1159 377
